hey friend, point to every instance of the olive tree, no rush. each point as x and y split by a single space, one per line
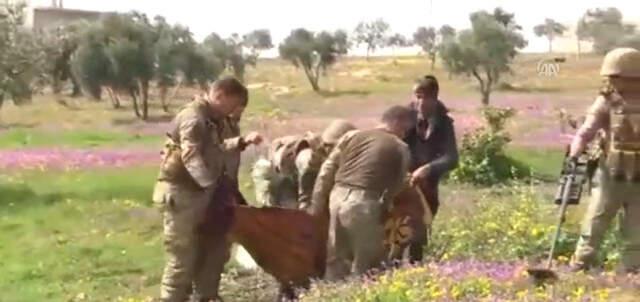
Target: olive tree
313 52
606 29
22 56
257 41
426 39
549 29
395 41
372 34
486 51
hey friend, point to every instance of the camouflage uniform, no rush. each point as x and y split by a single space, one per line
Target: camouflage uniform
288 177
193 160
616 116
277 185
360 178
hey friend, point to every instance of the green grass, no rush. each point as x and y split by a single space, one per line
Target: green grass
68 235
544 163
19 138
65 235
94 236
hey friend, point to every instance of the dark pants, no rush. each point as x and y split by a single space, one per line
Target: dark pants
421 232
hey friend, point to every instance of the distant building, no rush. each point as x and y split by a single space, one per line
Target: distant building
44 17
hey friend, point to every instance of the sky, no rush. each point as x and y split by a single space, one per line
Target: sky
404 16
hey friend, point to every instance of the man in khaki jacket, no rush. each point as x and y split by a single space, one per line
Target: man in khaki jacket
193 160
358 182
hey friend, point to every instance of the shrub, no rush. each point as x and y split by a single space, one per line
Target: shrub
482 154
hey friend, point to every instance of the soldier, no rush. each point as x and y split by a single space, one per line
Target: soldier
193 160
615 114
358 182
434 152
287 179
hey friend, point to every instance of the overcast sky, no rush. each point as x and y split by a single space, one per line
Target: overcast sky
404 16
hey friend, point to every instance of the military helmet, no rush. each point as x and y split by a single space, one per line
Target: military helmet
623 62
335 131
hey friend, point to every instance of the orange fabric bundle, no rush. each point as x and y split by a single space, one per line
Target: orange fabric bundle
286 243
289 244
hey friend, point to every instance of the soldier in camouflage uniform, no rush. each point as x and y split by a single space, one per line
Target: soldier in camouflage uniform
193 160
615 115
287 179
358 182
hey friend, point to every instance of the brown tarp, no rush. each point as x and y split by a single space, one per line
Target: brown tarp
289 244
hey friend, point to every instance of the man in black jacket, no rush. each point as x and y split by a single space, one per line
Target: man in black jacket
434 152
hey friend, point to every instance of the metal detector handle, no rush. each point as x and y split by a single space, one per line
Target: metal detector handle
566 194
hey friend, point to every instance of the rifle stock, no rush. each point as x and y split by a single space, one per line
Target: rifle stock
575 173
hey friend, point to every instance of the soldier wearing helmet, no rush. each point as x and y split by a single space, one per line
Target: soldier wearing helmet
615 118
287 178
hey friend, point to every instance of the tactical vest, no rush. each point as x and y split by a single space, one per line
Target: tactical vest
623 151
172 168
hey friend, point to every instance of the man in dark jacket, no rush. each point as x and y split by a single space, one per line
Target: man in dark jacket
434 152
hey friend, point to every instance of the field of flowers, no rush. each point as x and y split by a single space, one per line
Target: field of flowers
475 281
77 224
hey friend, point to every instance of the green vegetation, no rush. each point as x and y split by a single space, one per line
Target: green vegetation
75 234
606 29
482 245
22 138
92 234
549 29
486 51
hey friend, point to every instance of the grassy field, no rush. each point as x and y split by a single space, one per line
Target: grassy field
89 232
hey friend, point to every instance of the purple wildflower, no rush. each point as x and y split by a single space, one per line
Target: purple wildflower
61 159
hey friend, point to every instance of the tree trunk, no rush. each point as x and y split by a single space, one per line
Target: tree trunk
134 100
485 97
578 49
550 45
115 100
485 87
56 85
239 74
433 61
144 90
368 52
163 97
76 92
313 78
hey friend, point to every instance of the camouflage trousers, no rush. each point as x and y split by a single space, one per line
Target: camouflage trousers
274 189
356 233
611 197
194 264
